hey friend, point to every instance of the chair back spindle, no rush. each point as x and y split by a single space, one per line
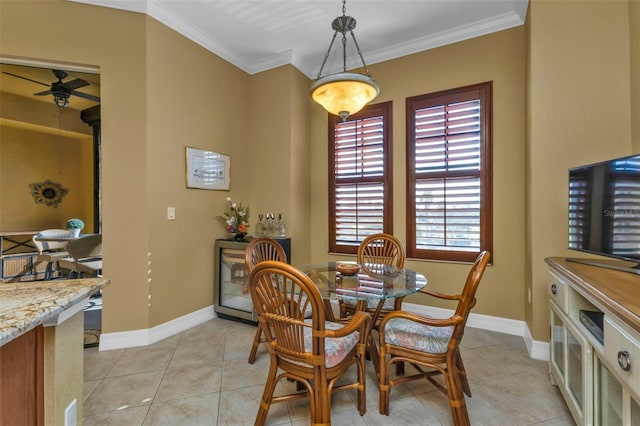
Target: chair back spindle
258 250
381 249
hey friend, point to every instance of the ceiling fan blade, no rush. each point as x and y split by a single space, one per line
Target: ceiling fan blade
46 92
25 78
76 84
85 96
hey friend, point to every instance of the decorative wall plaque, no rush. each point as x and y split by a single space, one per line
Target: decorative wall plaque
47 192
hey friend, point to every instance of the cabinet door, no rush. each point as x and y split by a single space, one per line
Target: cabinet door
635 412
609 397
557 347
575 362
572 366
22 380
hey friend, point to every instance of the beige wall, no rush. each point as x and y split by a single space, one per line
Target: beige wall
40 141
279 152
29 156
634 48
498 57
32 30
193 99
63 369
579 112
161 93
147 75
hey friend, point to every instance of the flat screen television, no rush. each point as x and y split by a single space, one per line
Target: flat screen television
604 212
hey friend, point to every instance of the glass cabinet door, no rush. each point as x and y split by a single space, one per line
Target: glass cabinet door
578 368
609 397
575 361
234 285
635 412
557 342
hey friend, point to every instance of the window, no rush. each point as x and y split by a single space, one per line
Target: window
360 192
449 195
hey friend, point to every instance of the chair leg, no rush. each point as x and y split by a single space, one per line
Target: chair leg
384 383
463 375
362 383
320 397
254 347
48 271
457 402
267 395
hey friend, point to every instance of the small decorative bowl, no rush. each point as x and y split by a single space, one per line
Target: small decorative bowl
348 268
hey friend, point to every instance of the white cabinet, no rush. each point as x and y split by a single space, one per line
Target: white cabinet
570 365
596 365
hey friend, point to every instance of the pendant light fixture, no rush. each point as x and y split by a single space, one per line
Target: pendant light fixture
344 93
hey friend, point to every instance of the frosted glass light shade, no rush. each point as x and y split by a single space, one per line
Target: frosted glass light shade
344 93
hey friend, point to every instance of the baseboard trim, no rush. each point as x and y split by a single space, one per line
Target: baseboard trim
129 339
144 337
536 349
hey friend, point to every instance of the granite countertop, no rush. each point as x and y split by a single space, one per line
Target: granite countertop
26 305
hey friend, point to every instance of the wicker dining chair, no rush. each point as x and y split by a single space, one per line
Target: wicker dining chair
259 250
375 252
431 343
312 351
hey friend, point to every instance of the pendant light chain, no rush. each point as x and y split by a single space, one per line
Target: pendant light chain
344 93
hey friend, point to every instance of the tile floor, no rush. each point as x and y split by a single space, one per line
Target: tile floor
201 377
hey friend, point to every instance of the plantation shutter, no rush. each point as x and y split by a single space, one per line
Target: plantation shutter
448 175
359 179
447 152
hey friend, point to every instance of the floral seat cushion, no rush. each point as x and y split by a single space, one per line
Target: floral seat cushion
420 337
335 348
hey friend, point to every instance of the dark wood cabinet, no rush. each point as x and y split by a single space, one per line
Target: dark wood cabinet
22 380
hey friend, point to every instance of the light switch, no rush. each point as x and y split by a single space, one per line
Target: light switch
171 213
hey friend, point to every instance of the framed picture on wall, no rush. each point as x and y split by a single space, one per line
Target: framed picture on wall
207 169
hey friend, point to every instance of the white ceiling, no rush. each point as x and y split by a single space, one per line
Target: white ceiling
257 35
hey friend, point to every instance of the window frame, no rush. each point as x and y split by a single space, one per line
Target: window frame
482 92
383 109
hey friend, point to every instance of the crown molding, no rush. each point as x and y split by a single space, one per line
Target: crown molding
461 33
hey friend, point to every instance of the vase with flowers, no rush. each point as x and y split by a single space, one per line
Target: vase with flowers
236 219
74 226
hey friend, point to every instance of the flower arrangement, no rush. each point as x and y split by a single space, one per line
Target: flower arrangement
236 217
75 223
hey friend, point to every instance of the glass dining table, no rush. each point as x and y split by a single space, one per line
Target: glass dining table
372 284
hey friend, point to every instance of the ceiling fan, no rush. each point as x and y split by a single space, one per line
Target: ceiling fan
61 90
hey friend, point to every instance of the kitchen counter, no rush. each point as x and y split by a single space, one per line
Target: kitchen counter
41 350
26 305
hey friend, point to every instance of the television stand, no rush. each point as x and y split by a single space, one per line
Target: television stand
609 264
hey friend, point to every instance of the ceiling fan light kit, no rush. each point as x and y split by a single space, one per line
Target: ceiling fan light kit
344 93
61 90
61 99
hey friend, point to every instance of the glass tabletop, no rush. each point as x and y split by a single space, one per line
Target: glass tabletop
371 282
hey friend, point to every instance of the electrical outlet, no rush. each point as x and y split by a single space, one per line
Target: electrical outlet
71 414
